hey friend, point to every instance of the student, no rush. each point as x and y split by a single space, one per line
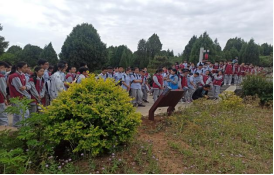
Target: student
144 86
83 74
215 67
83 64
184 64
199 69
56 84
50 70
206 79
158 84
28 73
126 80
110 72
45 65
63 73
173 79
183 83
201 92
217 82
38 89
228 70
103 74
3 94
71 76
236 73
119 75
18 87
136 91
192 86
241 73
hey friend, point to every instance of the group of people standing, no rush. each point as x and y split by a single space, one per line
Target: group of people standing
43 83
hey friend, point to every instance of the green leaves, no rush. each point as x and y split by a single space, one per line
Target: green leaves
83 44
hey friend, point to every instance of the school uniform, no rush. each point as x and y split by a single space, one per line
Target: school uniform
228 70
215 68
136 89
164 75
56 84
185 65
3 97
144 88
126 80
70 77
80 78
118 76
157 84
217 82
236 74
16 81
46 78
37 90
191 88
173 83
200 71
104 76
110 75
241 74
183 85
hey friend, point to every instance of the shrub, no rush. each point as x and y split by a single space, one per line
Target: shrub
258 85
91 116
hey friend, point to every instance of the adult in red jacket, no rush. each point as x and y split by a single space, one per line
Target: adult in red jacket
228 70
18 87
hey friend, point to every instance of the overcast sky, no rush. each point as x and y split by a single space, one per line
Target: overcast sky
127 21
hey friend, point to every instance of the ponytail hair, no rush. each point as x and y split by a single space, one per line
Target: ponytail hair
16 66
34 75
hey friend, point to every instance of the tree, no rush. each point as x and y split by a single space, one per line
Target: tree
243 53
3 44
188 48
218 50
234 42
14 50
141 55
266 49
233 53
154 45
252 53
206 42
49 54
159 61
84 44
11 58
31 54
13 54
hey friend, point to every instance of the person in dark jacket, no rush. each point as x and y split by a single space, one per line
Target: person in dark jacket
201 92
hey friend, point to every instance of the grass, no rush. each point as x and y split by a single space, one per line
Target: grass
208 137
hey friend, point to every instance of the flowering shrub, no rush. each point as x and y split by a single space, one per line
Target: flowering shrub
91 116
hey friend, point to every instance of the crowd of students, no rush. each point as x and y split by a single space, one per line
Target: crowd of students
46 82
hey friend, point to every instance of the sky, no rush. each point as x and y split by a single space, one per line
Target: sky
125 22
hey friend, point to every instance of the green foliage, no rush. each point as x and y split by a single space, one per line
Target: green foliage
91 116
154 45
9 57
3 44
159 61
49 54
251 53
13 161
266 49
258 85
266 61
141 55
31 54
188 48
84 44
120 55
234 43
203 41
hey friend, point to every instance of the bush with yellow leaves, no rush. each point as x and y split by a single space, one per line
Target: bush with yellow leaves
230 100
92 116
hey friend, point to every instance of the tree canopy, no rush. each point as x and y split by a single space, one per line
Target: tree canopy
49 54
3 44
84 44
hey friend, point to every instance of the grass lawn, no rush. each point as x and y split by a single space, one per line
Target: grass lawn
204 138
207 137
